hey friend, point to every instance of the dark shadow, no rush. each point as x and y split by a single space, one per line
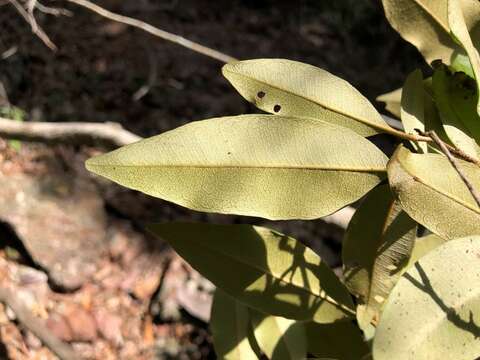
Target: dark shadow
450 312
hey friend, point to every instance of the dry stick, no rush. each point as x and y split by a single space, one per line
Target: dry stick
110 135
36 326
37 30
155 31
453 161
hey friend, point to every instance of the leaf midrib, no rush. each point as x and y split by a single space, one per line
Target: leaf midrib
278 167
451 197
433 16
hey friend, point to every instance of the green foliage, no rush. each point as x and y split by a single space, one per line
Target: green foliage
402 296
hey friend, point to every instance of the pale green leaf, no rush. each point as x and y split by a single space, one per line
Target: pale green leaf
422 246
423 23
434 310
377 244
459 29
392 101
413 108
432 193
268 271
230 324
258 165
341 340
460 121
296 89
279 338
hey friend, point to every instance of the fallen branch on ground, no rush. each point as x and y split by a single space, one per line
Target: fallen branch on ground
109 135
201 49
36 326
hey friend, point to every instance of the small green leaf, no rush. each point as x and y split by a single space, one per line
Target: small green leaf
291 88
413 109
268 271
392 101
279 338
434 310
377 244
230 324
431 192
257 165
460 30
457 105
341 340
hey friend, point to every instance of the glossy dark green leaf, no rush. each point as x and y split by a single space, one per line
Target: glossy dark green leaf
268 271
455 96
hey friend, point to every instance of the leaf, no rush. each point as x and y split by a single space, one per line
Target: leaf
292 88
422 246
230 324
266 270
412 108
432 193
279 338
460 121
434 311
377 244
460 30
257 165
392 101
423 23
340 340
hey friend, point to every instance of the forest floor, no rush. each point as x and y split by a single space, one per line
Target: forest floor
73 247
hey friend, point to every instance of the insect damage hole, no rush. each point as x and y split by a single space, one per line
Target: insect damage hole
277 108
261 94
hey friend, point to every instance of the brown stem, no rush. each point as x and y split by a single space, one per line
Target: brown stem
454 163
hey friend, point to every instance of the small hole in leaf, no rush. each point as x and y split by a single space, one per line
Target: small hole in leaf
277 108
260 94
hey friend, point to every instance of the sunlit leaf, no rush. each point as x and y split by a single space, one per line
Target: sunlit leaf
292 88
279 338
259 165
422 246
456 101
423 23
230 324
434 310
413 108
377 244
392 101
457 20
432 193
340 340
268 271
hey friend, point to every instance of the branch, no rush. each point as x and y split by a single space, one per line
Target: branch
36 326
28 16
109 135
155 31
453 161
